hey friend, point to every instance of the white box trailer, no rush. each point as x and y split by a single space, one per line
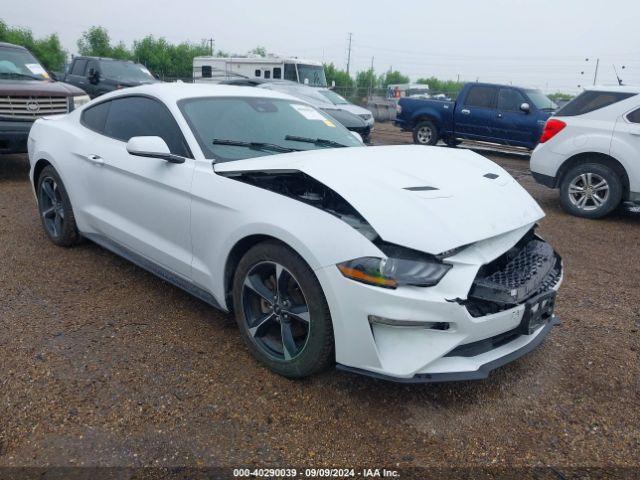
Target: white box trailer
217 69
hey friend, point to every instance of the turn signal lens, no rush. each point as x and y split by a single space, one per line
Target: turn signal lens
551 129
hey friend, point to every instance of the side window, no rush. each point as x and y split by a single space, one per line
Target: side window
206 71
258 72
79 67
509 100
591 100
290 72
95 117
141 116
92 65
634 117
484 97
277 72
267 74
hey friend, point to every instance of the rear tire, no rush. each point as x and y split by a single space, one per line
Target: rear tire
425 133
590 190
55 209
282 312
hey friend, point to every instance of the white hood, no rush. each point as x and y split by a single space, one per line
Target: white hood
455 203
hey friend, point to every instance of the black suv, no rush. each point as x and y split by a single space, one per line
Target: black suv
97 76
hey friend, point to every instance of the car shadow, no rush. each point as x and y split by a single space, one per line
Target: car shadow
14 167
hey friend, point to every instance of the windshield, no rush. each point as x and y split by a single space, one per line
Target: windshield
125 71
271 121
540 100
314 73
334 97
16 63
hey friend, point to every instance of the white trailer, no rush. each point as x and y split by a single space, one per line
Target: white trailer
216 69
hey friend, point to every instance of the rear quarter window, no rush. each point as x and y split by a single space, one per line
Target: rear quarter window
590 101
634 117
95 117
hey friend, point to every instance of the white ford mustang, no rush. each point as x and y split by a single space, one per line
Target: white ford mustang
410 263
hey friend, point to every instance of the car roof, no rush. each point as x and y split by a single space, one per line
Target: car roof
11 45
615 88
86 57
176 91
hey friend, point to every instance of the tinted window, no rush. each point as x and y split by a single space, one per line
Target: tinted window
258 73
95 117
79 66
290 72
138 117
510 100
92 65
634 116
591 100
206 71
277 72
267 74
481 97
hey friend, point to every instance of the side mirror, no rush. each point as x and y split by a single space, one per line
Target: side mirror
152 147
525 107
93 76
357 135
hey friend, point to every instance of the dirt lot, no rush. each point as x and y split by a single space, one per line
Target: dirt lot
103 364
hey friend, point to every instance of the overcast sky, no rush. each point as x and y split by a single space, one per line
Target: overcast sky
541 43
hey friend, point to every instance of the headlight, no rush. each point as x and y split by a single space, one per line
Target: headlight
79 100
395 271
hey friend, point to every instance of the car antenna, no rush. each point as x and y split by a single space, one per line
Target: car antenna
616 72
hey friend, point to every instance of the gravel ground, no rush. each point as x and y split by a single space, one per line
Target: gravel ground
103 364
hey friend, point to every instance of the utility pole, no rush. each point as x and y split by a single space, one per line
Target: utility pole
595 75
372 79
211 46
349 53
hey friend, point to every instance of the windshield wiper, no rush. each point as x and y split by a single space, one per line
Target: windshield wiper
255 145
322 142
22 75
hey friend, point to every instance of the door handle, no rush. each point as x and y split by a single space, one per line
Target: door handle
465 111
635 131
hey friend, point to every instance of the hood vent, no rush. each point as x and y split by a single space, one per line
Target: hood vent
492 176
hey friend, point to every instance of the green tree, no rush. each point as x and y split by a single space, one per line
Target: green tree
47 50
366 79
560 96
259 51
392 77
436 85
95 42
341 77
165 59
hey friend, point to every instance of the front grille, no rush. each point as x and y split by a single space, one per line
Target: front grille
527 270
31 108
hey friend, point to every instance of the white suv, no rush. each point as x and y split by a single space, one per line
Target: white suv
590 150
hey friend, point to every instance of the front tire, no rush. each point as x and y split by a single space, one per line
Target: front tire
55 209
425 133
282 312
590 190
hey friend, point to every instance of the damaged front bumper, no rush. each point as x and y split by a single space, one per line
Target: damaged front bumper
507 313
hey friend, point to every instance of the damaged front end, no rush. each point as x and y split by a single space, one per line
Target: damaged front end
529 271
299 186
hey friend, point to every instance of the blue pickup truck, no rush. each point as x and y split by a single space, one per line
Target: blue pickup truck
501 114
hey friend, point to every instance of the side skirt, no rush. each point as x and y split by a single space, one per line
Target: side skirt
154 268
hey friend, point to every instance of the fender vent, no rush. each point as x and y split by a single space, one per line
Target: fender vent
420 189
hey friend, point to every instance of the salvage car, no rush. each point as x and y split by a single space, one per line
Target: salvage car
408 263
27 92
590 150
